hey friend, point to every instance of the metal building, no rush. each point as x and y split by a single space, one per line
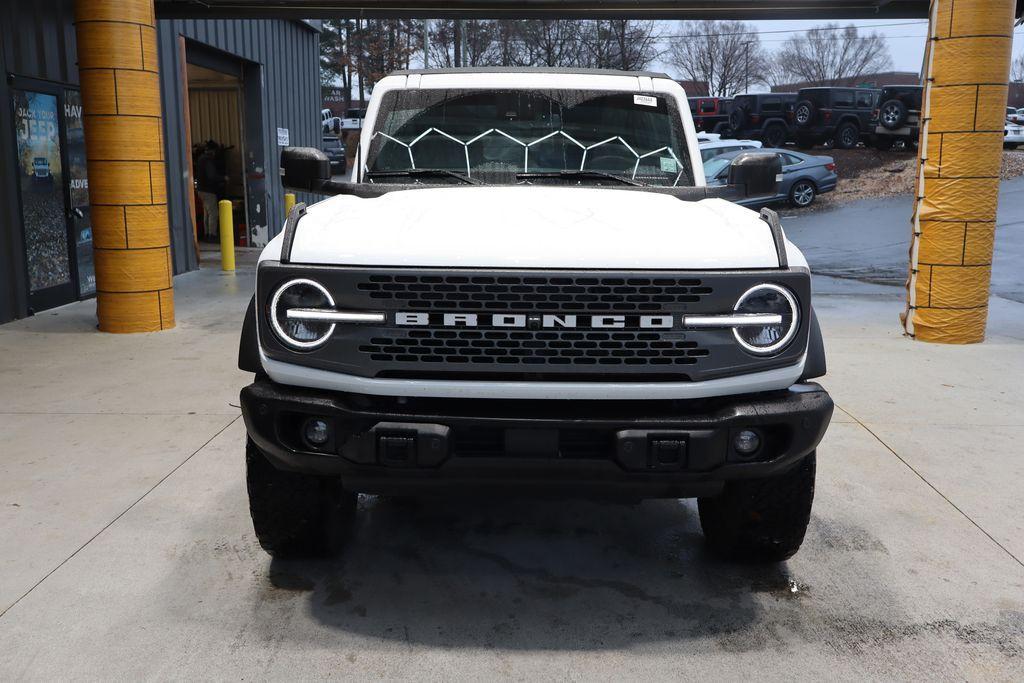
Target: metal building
247 85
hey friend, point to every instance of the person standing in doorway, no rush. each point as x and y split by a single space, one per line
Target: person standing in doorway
210 183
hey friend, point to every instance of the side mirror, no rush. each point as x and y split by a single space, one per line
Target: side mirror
756 174
304 168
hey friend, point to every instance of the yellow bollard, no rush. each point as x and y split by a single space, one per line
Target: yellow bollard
289 202
227 236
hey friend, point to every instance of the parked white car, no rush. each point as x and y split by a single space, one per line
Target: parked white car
528 287
1013 135
713 145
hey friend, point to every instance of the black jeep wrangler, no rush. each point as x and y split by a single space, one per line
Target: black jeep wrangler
764 116
898 116
837 115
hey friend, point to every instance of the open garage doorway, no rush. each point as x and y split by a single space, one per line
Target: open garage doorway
225 148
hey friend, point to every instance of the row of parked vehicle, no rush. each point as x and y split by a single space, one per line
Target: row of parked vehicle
840 117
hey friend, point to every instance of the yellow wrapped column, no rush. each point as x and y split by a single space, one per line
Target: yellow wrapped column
119 72
963 110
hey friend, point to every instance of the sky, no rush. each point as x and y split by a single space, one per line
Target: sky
905 37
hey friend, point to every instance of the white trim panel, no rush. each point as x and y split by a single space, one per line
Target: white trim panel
312 378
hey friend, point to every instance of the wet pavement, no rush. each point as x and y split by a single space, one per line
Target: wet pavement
869 240
126 549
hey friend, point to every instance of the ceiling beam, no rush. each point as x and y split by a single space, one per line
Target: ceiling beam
545 9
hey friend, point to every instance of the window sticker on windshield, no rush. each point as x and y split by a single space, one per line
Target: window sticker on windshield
645 100
668 165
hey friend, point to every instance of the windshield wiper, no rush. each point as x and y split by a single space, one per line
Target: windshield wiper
422 172
581 175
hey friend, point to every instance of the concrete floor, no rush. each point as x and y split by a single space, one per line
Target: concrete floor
126 549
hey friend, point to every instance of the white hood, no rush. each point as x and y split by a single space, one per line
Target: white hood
532 227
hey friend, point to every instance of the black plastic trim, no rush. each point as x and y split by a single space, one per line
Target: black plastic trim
290 226
793 421
770 217
249 345
815 365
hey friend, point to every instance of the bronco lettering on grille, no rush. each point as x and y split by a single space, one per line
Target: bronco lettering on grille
536 321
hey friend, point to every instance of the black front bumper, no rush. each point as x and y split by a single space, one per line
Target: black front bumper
629 449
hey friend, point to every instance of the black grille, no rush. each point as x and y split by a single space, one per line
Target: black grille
538 293
535 348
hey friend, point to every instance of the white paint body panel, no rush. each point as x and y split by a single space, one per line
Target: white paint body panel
533 227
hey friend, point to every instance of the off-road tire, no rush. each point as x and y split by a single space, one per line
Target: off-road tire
760 520
1010 145
892 114
847 136
296 515
803 113
774 135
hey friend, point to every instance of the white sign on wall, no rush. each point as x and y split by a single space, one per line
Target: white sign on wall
282 137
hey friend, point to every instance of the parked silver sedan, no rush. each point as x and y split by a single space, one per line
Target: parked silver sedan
804 176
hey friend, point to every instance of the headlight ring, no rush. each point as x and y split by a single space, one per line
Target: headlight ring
767 340
300 334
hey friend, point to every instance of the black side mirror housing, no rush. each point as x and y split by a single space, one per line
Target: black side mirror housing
756 174
305 169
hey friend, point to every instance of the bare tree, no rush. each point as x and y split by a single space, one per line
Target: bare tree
1017 69
620 44
725 54
552 42
829 53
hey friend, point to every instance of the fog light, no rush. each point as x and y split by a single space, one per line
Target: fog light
746 441
316 431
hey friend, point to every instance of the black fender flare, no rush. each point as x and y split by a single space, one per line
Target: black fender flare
249 343
814 365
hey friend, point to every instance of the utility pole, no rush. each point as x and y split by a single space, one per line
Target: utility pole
457 42
426 43
746 57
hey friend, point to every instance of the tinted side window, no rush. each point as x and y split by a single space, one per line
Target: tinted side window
772 104
789 159
842 98
707 106
865 99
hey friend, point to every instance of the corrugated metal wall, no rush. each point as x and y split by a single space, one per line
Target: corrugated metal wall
288 52
37 40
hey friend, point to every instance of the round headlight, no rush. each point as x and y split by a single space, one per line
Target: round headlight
767 339
300 334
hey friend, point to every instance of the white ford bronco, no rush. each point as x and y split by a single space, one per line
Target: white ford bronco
527 288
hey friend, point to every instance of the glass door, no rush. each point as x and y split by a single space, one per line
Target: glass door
53 188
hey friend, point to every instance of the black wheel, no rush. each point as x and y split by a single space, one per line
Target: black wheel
804 142
803 113
296 515
774 135
884 142
760 520
847 135
1010 145
892 114
802 193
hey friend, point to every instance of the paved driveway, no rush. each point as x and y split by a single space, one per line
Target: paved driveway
126 549
869 240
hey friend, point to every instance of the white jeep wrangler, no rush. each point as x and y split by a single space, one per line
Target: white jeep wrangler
527 288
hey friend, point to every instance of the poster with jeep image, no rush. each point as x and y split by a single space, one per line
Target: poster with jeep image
78 183
42 189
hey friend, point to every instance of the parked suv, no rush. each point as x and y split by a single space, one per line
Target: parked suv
709 113
898 116
334 148
837 115
541 296
764 116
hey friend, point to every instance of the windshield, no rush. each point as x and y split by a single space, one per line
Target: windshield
528 136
